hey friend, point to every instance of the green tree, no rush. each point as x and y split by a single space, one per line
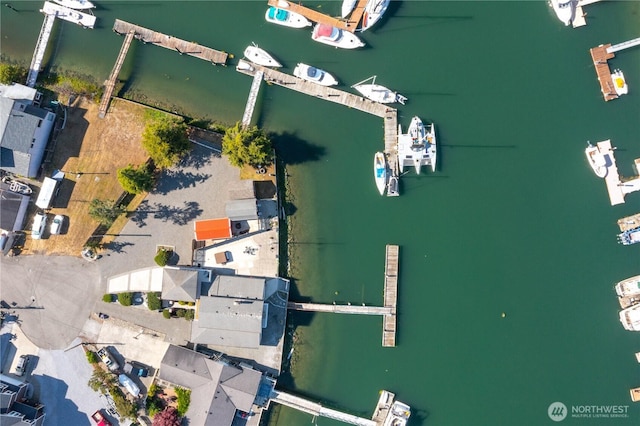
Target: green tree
101 380
247 146
12 74
104 211
184 399
124 407
153 301
163 256
125 299
136 180
165 140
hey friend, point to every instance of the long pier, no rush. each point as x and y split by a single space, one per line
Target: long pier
618 187
110 84
350 24
388 311
172 43
271 76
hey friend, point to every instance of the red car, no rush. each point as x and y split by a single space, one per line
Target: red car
100 419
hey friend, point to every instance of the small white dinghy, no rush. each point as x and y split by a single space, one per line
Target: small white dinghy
259 56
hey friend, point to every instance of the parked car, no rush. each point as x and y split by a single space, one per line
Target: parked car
39 225
136 369
21 367
129 385
56 225
106 357
100 419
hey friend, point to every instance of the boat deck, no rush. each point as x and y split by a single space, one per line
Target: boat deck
629 222
625 302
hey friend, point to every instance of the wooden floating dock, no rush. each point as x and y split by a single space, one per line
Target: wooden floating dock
271 76
629 222
600 58
349 24
110 84
618 187
388 311
390 294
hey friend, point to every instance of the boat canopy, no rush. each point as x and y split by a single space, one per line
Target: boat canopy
325 30
312 72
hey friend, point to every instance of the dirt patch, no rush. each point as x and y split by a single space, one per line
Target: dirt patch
89 150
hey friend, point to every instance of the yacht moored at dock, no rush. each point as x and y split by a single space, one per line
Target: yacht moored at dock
378 93
347 7
260 56
75 4
565 10
315 75
373 11
380 171
398 415
417 147
336 37
631 236
597 160
619 83
630 318
286 18
628 291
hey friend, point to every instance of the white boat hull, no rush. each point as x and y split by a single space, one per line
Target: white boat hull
373 11
286 18
565 10
260 57
75 4
315 75
378 93
597 160
347 7
336 37
619 83
417 147
380 171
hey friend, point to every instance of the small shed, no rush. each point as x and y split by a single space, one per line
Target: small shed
212 229
49 190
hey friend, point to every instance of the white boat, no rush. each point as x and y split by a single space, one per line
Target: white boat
398 414
630 236
629 287
565 10
286 18
378 93
414 149
380 171
630 318
619 83
347 7
260 56
336 37
373 11
75 4
316 75
597 160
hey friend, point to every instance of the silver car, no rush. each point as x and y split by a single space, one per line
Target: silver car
56 225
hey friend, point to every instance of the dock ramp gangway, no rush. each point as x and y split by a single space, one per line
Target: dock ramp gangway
316 409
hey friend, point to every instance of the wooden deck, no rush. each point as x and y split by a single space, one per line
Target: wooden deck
600 56
629 222
390 294
340 309
169 42
110 84
315 16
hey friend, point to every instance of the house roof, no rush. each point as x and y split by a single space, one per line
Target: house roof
218 389
246 209
180 284
226 321
212 229
236 286
13 208
18 92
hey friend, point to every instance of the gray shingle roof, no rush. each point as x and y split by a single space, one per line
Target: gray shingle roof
180 284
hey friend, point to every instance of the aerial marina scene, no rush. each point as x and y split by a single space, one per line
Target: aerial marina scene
178 223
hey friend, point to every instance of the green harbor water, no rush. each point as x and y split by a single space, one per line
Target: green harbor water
514 221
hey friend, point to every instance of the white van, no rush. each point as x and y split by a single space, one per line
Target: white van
39 225
21 367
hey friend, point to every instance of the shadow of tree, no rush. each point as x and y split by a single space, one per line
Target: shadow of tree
174 214
172 180
293 150
118 246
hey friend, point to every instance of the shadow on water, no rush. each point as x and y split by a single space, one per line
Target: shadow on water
293 150
484 146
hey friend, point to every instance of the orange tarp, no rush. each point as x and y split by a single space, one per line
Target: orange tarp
213 229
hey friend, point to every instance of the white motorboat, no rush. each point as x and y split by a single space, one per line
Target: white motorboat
316 75
630 318
378 93
260 56
619 83
398 414
629 287
336 37
75 4
373 11
597 160
413 146
630 236
380 171
286 18
432 149
565 10
347 7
